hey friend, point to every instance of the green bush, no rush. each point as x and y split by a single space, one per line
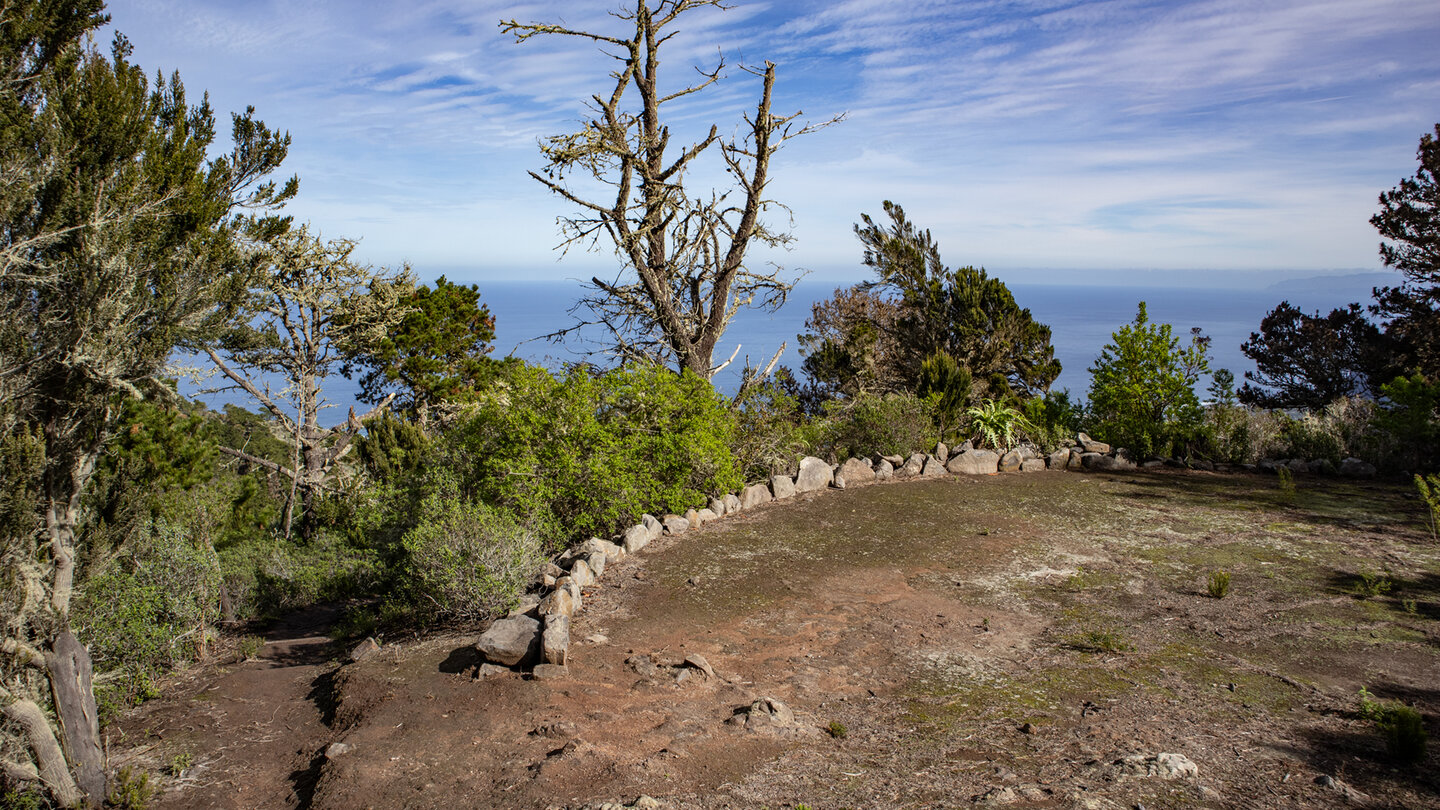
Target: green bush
998 425
149 611
1409 422
267 576
1219 584
893 424
771 432
466 561
1053 418
585 453
1405 736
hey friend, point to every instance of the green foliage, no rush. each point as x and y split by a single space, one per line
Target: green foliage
1142 393
583 454
249 647
180 763
1409 417
266 576
1312 437
837 730
1218 584
436 354
1308 362
1402 727
945 386
1101 640
1409 221
771 433
130 789
963 312
392 447
1370 584
892 424
1428 487
466 561
150 610
851 344
1053 418
998 425
1286 481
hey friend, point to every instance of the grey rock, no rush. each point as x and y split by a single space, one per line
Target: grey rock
1011 461
1033 465
581 574
1356 468
1267 465
814 474
1350 794
1060 458
895 461
856 471
732 504
1323 466
636 538
550 672
488 671
363 650
1095 461
527 606
654 525
597 562
338 749
511 641
965 447
642 665
912 466
674 524
1152 464
1090 445
941 451
555 641
884 471
1206 466
783 486
1299 465
704 516
1076 457
934 468
718 507
698 661
754 495
561 601
975 462
768 712
692 515
1028 451
612 551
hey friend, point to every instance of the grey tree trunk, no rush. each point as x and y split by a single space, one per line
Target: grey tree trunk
71 684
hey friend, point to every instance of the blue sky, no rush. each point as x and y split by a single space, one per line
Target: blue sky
1044 140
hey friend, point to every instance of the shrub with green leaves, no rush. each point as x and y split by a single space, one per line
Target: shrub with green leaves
771 431
1054 419
465 560
1429 488
871 423
584 453
149 611
1218 584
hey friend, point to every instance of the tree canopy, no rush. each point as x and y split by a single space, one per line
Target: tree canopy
1409 220
1308 361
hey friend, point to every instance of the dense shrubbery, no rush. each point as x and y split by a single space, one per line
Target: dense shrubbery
871 423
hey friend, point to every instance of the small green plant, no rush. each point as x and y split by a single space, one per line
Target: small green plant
130 790
1402 727
837 730
250 647
1429 488
1111 641
1405 736
1287 483
179 764
1410 606
1219 584
1370 584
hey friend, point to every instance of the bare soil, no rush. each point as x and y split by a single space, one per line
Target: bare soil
1003 640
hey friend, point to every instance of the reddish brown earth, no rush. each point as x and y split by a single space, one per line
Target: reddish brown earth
1003 639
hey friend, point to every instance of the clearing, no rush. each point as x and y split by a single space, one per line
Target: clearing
1007 640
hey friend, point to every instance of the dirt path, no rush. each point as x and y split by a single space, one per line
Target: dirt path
243 735
1008 640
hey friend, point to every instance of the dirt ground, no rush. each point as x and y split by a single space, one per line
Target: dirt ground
1001 640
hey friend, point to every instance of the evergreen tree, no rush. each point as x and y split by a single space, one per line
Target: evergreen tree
1409 219
1308 361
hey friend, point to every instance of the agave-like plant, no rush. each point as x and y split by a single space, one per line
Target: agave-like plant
998 424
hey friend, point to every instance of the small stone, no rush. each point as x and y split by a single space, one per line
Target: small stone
654 525
636 538
704 516
674 524
692 515
698 661
597 638
732 504
647 803
912 466
1033 465
555 643
941 452
1060 458
895 461
718 507
581 574
338 749
550 672
642 665
1011 461
364 650
933 468
597 562
884 471
1090 445
488 671
769 711
1350 794
560 601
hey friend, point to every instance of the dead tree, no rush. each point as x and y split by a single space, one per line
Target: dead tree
683 272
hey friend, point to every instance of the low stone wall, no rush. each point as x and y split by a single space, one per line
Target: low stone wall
538 632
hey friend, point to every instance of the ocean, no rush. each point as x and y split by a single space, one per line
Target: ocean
1081 319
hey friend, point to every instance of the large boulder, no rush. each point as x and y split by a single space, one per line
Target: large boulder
854 471
1032 465
783 486
559 602
814 474
511 642
1096 461
975 462
674 524
636 538
732 503
934 468
581 574
884 471
555 642
654 525
1089 445
718 507
754 495
1011 461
